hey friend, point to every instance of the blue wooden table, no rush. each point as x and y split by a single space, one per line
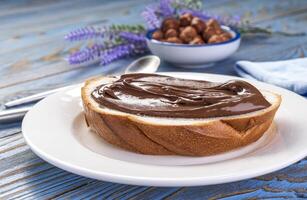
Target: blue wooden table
32 52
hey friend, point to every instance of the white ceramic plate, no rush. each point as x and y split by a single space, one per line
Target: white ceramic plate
55 131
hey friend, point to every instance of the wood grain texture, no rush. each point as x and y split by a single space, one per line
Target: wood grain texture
32 53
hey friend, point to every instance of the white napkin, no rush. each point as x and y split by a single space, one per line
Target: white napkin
290 74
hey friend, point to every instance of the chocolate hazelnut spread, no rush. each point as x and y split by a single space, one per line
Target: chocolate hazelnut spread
165 96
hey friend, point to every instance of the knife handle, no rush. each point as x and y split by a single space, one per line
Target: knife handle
13 114
34 97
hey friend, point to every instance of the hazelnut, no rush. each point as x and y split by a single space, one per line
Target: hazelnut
173 40
219 31
197 40
226 35
185 19
188 34
180 29
223 38
170 23
209 31
171 33
198 24
217 39
213 23
157 35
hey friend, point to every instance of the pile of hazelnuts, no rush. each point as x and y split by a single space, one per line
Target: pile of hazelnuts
188 29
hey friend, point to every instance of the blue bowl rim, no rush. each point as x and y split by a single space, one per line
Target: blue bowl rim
237 37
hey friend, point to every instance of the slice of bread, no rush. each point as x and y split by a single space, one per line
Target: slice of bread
175 136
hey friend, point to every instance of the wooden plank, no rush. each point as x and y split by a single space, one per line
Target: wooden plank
9 129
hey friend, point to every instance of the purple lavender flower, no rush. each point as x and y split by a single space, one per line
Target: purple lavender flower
150 17
88 54
115 53
132 37
166 8
123 50
86 33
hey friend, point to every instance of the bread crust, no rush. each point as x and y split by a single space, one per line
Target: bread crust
137 134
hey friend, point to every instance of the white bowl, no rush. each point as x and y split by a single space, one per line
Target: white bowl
190 56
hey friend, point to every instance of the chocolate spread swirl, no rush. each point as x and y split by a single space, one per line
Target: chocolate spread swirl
165 96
